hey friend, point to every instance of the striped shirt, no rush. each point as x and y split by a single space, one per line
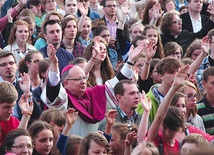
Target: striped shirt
206 111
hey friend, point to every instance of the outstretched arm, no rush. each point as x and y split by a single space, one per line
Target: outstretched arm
71 116
95 54
179 80
204 51
110 120
26 106
150 52
143 126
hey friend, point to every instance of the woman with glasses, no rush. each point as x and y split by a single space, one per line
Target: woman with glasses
18 38
18 142
192 95
171 28
51 5
178 101
30 65
173 49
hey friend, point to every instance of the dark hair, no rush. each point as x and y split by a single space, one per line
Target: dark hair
153 63
36 127
103 2
171 47
106 68
99 29
65 21
49 22
23 68
160 52
148 6
119 88
208 72
12 135
35 3
210 34
137 38
4 54
174 119
44 64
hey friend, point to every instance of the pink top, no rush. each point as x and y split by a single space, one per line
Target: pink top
193 129
4 20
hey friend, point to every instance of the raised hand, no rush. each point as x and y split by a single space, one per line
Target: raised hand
71 116
125 8
135 52
25 82
205 45
181 76
111 116
157 11
51 51
82 8
146 102
10 19
150 50
96 48
26 103
131 138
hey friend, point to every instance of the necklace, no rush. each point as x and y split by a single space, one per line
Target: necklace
69 47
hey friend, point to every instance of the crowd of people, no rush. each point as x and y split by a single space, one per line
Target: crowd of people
107 77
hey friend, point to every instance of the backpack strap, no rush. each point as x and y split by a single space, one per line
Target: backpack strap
160 145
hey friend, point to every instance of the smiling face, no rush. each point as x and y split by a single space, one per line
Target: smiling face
86 29
22 33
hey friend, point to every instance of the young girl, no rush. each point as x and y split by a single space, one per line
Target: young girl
42 137
94 143
17 42
192 96
102 70
153 35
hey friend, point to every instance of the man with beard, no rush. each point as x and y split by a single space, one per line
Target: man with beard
53 35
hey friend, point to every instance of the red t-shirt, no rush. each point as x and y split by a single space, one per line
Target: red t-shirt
7 126
167 149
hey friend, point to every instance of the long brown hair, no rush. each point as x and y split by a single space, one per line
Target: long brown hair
106 68
12 36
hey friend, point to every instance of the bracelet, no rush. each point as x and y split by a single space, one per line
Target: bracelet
147 63
122 21
93 59
26 112
130 63
21 5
